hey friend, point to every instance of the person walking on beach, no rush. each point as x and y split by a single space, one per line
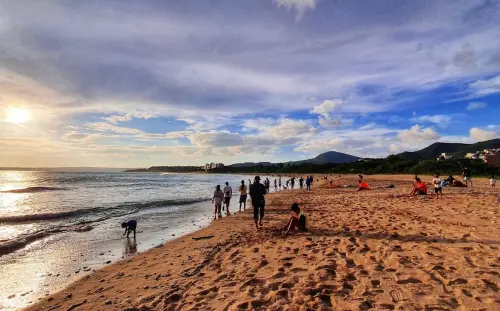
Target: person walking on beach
217 201
267 183
275 185
279 181
243 195
301 183
257 193
466 176
228 193
438 189
492 181
308 183
292 182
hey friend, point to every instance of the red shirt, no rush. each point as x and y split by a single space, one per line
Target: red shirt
422 186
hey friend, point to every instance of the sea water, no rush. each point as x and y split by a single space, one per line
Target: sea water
57 226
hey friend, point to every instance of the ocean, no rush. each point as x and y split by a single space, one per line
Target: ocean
56 227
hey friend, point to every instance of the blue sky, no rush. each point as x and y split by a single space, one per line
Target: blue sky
140 83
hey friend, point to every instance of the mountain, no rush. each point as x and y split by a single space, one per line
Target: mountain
324 158
330 157
456 149
250 164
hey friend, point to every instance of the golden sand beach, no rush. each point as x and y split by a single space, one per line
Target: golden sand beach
369 250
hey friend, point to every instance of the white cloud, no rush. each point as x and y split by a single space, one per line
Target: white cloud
436 119
129 116
289 128
476 105
478 134
259 123
216 139
328 122
327 106
106 127
301 6
418 133
486 87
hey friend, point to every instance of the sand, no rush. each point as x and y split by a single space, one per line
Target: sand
368 250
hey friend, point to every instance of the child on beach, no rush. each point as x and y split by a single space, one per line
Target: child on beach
492 181
217 201
297 220
437 186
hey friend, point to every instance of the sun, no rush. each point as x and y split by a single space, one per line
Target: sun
17 115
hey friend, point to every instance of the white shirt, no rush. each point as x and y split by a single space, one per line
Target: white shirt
492 181
437 182
228 191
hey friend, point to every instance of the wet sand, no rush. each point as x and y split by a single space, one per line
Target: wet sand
368 250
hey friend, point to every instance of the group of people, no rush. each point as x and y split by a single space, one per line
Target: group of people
257 193
420 188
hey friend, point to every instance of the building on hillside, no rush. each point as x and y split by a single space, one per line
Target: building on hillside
492 160
472 155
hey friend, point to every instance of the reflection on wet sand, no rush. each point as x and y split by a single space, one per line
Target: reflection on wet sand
130 246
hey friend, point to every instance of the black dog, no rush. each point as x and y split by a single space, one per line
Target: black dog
129 226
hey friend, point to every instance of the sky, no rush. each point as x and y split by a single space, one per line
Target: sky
169 82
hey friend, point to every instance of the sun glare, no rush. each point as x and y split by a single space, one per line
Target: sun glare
17 115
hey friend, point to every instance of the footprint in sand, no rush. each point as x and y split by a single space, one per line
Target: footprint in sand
396 295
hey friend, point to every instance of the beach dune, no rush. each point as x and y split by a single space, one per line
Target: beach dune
369 250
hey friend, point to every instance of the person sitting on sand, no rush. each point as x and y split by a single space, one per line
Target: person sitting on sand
362 183
217 201
257 193
129 226
419 188
492 181
297 221
450 180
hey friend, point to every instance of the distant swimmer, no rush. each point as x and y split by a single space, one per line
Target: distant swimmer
243 195
257 193
129 226
217 201
228 194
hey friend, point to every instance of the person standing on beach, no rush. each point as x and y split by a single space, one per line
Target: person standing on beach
257 193
243 195
438 189
217 201
228 193
466 175
308 183
267 183
275 185
292 182
279 181
301 183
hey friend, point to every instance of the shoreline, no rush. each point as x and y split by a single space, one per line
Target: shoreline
347 252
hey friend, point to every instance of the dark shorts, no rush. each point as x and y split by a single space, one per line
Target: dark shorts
227 200
437 190
243 198
420 192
